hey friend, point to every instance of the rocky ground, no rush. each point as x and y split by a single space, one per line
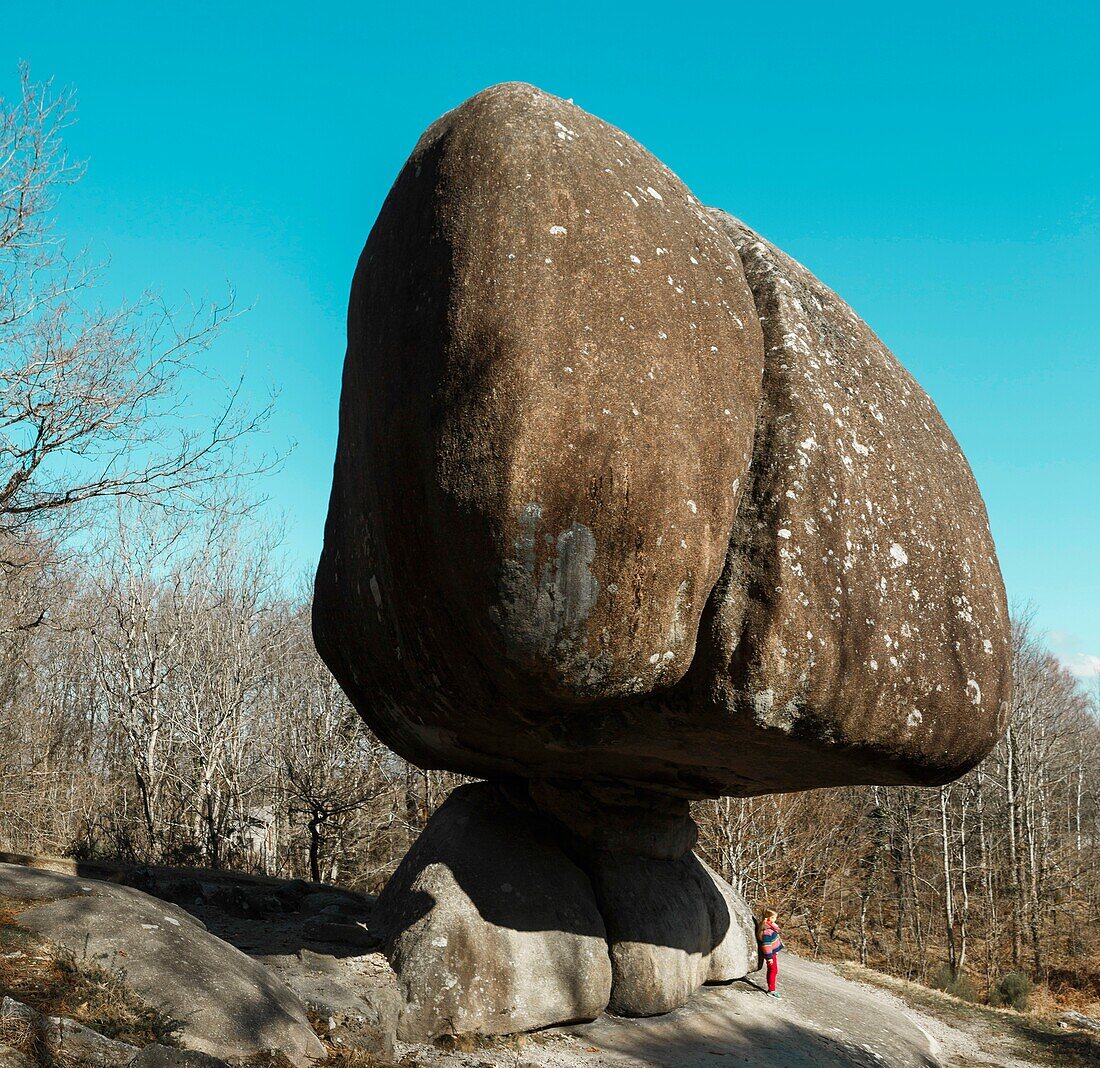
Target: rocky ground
289 958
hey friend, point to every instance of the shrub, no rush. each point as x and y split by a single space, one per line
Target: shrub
1013 992
958 986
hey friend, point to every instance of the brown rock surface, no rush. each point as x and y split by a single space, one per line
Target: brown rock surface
861 610
550 390
549 553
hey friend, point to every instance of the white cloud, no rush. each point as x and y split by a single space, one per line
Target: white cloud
1067 650
1083 665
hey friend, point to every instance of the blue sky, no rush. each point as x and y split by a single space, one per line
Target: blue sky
936 164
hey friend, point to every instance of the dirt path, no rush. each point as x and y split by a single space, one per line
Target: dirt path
824 1020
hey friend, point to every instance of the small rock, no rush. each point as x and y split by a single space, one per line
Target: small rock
472 956
325 963
328 900
672 926
1079 1019
736 954
10 1009
12 1058
158 1056
340 934
659 930
66 1039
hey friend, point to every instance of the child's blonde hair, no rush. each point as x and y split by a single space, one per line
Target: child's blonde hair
767 914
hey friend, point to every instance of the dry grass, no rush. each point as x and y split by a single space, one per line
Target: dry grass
1033 1035
1076 988
351 1058
338 1056
19 1036
54 983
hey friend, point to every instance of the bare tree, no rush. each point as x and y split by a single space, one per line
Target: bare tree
332 766
92 400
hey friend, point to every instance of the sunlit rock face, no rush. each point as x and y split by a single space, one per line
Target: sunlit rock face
861 610
625 497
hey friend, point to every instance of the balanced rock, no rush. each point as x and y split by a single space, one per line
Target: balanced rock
861 619
591 523
550 391
628 509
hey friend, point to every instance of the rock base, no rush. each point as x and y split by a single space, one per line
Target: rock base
499 920
490 927
672 926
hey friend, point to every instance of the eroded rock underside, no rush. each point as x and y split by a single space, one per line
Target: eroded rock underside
628 509
500 920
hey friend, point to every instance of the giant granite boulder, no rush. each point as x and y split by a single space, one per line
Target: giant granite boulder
550 393
629 509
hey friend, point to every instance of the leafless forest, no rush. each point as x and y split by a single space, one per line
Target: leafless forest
161 701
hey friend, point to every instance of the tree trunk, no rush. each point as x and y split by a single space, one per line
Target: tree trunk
316 824
948 899
1015 860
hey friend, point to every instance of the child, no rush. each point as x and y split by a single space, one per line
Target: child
767 935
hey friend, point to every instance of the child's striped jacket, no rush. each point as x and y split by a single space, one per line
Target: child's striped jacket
770 942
